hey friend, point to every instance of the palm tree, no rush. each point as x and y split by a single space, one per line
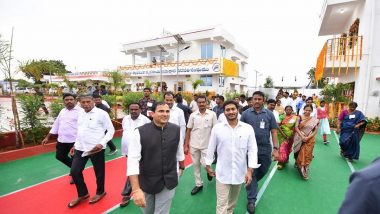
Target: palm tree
195 84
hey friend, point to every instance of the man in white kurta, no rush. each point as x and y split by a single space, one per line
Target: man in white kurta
234 141
177 115
197 136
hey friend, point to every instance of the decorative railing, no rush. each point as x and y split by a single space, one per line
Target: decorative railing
169 64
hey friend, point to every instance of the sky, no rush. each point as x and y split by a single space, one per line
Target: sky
280 36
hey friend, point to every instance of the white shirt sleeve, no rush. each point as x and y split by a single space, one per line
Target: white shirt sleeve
107 125
182 125
54 129
252 150
134 153
211 148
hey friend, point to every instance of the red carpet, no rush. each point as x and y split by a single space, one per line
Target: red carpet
53 196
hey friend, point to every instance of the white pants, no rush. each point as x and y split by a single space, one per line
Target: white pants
198 158
226 197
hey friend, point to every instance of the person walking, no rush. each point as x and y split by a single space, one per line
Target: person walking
130 122
306 128
351 127
90 144
152 162
197 138
65 125
285 136
146 103
218 109
324 126
234 141
177 116
264 124
99 104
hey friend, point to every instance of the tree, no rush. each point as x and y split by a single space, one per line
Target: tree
35 69
313 83
335 93
116 79
5 67
268 82
195 84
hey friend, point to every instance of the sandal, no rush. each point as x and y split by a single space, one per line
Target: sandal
76 201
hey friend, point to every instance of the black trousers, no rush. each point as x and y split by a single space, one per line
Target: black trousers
111 145
62 153
77 168
127 187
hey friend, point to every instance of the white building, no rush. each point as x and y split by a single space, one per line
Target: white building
210 54
355 57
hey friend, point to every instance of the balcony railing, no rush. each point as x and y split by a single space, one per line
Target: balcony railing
340 54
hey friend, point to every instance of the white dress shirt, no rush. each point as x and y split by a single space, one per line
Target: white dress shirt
66 124
201 125
285 101
232 145
134 153
128 126
178 117
91 128
193 106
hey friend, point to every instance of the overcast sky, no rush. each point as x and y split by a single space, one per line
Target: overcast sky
281 36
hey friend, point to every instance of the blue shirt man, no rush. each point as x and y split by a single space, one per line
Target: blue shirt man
264 124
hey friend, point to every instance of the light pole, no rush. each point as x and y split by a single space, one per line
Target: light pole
180 41
162 50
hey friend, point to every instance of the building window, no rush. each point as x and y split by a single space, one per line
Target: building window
206 51
207 80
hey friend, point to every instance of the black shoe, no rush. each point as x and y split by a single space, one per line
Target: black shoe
209 177
251 207
196 190
125 201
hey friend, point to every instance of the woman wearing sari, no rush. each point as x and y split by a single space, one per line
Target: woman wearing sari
285 136
351 127
306 128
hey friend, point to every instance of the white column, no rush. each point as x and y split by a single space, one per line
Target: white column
133 59
148 57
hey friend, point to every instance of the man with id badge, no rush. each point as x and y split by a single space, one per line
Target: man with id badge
198 132
264 124
146 103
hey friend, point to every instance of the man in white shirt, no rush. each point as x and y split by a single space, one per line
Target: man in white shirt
65 125
197 136
285 101
130 122
153 153
177 115
234 142
90 143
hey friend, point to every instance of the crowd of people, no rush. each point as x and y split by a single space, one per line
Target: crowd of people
242 136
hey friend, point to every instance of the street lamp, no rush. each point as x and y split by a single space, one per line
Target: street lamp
162 50
180 41
256 71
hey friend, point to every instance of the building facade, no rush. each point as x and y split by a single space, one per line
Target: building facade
352 54
178 60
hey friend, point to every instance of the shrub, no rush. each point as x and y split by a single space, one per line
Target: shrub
31 122
56 106
373 124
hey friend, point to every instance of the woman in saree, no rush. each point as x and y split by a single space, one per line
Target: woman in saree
351 126
306 128
285 135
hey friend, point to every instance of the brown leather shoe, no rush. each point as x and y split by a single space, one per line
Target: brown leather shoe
76 201
97 198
